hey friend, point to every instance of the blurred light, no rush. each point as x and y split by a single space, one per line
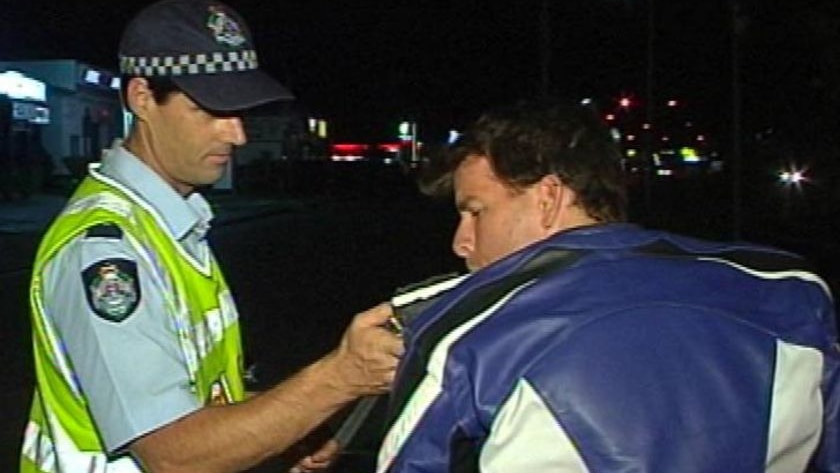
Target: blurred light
610 117
31 113
453 136
792 176
701 138
389 147
665 138
664 172
586 101
18 86
616 135
349 148
646 126
404 129
115 83
689 155
672 103
631 153
625 102
92 76
631 137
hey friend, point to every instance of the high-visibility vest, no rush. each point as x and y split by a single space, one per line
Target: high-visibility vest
61 435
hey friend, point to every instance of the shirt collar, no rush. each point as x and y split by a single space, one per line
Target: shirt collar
181 215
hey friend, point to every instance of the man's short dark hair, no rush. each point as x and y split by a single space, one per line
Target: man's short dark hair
531 139
161 86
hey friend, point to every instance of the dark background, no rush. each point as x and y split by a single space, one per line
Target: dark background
366 65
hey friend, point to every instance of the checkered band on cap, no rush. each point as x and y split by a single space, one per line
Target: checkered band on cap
189 64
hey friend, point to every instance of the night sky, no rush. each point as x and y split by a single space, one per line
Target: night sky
366 65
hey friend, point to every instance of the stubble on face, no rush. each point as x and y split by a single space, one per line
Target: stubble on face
496 219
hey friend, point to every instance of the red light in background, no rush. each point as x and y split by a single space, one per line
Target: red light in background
349 148
389 147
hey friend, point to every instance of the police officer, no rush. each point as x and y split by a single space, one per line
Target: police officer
136 336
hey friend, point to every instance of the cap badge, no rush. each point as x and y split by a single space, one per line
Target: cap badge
224 28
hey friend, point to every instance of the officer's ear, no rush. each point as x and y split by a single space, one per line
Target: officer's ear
139 97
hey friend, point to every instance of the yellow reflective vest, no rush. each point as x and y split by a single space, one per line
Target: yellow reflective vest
61 435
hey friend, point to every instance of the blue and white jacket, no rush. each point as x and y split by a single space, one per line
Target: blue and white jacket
617 349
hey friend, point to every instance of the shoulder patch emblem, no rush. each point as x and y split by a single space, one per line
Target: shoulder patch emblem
112 289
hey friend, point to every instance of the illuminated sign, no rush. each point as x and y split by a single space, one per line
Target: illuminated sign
92 77
17 86
318 127
30 112
348 151
100 79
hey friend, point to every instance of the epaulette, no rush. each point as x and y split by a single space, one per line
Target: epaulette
104 230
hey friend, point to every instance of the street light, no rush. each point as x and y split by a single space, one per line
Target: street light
793 177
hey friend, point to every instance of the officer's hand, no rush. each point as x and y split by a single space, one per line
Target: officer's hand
320 460
368 353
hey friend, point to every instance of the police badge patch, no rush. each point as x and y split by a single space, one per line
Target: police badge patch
224 28
112 288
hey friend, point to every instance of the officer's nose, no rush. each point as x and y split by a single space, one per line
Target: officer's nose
233 131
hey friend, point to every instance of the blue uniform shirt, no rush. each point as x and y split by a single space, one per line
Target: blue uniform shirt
133 373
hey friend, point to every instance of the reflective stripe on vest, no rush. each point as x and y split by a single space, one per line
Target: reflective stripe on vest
63 456
61 436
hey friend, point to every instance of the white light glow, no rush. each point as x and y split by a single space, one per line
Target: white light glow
18 86
793 176
453 136
92 77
